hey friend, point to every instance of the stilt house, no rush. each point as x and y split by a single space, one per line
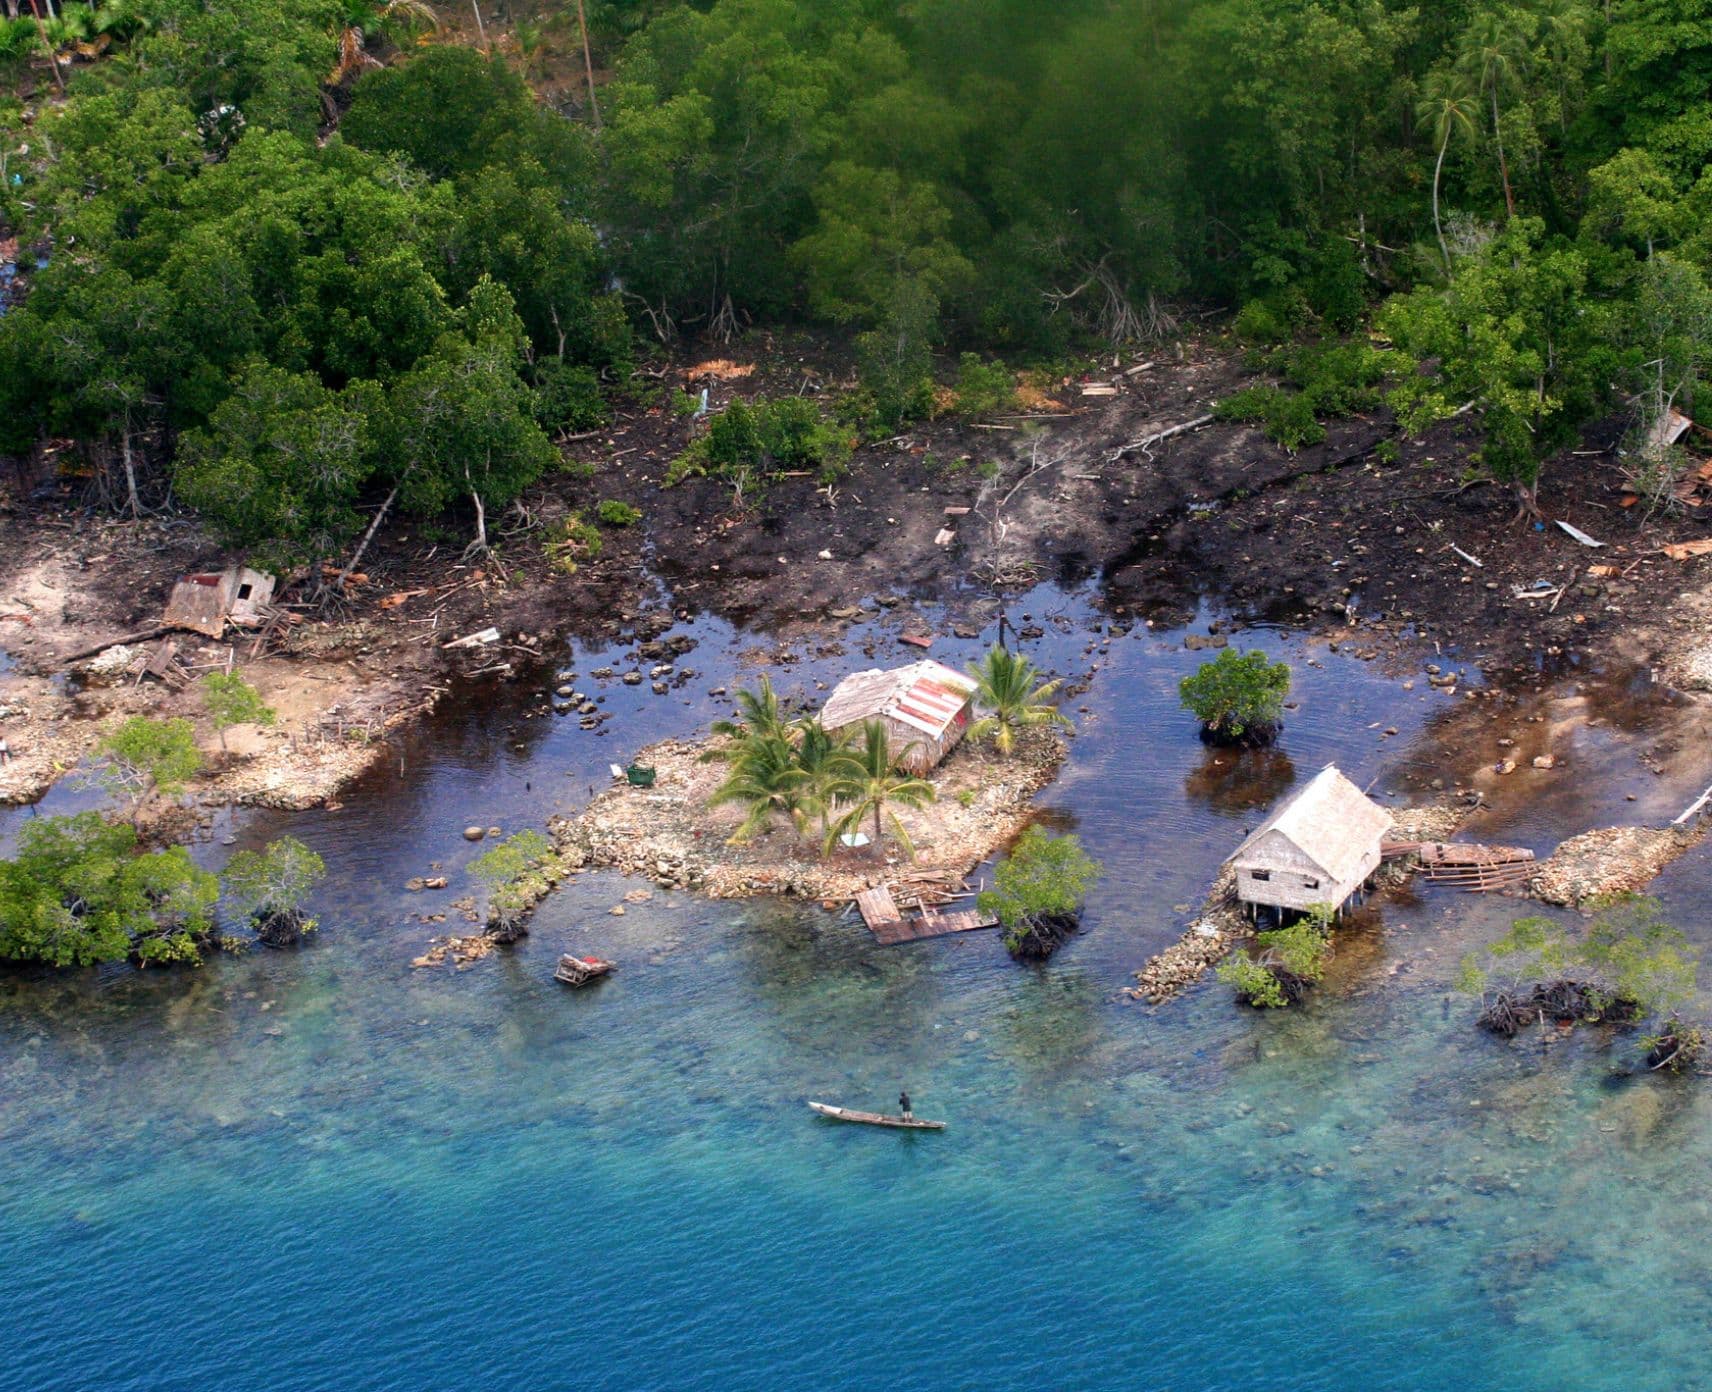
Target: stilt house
1318 848
924 707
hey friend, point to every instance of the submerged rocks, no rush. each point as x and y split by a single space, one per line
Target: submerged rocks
474 833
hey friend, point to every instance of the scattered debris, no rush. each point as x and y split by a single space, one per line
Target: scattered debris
944 537
1667 430
1147 441
471 640
1684 550
1692 808
1578 534
205 602
579 971
1472 560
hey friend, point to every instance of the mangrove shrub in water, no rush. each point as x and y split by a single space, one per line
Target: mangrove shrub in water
268 887
77 893
1628 965
512 873
1038 892
1290 960
1237 697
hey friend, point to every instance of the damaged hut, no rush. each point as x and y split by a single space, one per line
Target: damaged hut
1318 848
924 707
204 603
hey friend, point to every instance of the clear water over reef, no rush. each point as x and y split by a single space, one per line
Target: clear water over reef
321 1169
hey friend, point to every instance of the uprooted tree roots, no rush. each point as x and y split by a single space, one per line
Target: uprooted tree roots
282 927
1038 936
1566 1002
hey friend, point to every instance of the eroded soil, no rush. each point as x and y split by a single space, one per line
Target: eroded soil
1333 535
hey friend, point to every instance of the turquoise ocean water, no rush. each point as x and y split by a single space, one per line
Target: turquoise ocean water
321 1169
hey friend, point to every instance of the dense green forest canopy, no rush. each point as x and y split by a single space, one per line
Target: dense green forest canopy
305 254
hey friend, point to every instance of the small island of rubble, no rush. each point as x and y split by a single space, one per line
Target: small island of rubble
972 796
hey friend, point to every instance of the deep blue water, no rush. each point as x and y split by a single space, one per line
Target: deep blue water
322 1169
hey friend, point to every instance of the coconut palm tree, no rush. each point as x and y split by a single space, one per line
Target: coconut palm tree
818 750
365 20
759 716
766 779
1006 689
1449 103
1493 55
864 783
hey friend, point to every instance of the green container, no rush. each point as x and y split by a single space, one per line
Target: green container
639 777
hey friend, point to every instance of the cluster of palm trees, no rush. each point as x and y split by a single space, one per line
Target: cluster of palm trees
837 783
1490 67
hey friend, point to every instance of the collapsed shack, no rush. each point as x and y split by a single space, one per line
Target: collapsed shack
206 602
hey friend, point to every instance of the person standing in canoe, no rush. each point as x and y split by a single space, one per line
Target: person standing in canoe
904 1106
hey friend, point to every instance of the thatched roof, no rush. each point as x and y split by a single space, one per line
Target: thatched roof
926 696
1329 821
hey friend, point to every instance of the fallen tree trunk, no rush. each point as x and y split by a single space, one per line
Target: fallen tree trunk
1147 441
159 631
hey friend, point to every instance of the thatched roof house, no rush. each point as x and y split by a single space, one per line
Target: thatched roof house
924 707
1318 848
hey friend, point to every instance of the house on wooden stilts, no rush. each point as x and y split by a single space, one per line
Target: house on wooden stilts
1320 847
924 707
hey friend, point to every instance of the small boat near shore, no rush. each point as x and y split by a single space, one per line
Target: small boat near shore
826 1109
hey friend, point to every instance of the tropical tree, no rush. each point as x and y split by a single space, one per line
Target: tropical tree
145 756
233 701
767 779
1449 104
1518 333
1038 891
280 466
1013 698
1493 56
268 887
818 750
361 23
864 782
759 716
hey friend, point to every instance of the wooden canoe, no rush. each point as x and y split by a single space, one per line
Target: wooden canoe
826 1109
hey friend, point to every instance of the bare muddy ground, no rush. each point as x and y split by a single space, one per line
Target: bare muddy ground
1331 535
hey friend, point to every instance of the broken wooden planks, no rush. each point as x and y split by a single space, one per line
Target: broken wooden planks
1476 868
877 909
930 923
